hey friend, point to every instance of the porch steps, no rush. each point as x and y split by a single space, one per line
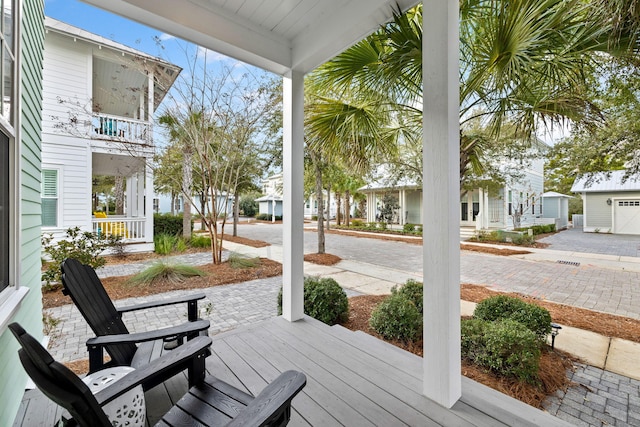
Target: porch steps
467 232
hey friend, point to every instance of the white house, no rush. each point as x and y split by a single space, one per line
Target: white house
611 204
271 201
478 208
162 204
99 98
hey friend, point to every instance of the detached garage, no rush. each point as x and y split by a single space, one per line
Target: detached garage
610 205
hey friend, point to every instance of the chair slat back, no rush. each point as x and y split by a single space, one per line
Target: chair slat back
57 382
83 285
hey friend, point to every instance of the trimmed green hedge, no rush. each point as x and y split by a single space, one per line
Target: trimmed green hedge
506 347
397 317
168 224
324 299
535 318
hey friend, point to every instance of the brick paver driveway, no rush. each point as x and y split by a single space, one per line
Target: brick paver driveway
603 289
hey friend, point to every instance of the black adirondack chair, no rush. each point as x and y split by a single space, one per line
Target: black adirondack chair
211 402
82 284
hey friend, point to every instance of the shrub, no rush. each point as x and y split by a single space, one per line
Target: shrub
523 240
509 348
357 223
382 225
84 246
168 224
267 217
533 317
397 317
181 245
412 290
472 337
161 270
248 204
199 241
324 300
163 244
408 228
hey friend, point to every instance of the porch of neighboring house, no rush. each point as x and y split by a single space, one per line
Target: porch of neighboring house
353 379
135 221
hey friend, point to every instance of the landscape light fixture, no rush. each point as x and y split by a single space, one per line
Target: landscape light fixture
555 330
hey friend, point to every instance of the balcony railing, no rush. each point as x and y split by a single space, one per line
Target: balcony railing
121 129
131 229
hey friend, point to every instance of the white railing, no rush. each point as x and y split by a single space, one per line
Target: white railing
120 128
131 229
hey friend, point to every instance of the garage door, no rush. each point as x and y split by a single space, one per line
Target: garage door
627 217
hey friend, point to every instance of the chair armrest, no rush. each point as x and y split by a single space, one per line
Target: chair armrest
272 401
195 349
191 301
189 328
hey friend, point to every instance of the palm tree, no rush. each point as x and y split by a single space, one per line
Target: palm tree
522 61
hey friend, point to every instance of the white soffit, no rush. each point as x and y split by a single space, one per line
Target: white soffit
277 35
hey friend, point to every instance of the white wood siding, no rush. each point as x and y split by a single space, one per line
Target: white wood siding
597 212
66 77
598 215
72 156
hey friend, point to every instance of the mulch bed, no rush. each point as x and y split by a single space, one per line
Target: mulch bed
553 364
322 259
220 274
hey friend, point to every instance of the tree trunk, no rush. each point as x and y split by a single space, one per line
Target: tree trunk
187 174
338 206
347 207
236 214
319 200
328 206
173 202
119 195
203 209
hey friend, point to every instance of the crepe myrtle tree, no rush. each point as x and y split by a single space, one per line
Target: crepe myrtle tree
215 117
521 204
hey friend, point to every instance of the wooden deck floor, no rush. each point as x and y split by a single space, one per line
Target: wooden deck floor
353 379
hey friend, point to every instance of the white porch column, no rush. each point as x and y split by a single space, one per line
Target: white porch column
148 205
480 218
441 148
140 178
130 204
293 196
403 206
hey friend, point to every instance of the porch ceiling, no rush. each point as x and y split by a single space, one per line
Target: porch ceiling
115 165
277 35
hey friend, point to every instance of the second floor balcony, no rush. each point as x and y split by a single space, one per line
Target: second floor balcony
123 129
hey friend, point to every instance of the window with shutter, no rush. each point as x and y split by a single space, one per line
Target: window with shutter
49 197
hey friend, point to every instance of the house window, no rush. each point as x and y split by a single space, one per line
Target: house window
49 197
510 203
4 212
156 205
7 49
